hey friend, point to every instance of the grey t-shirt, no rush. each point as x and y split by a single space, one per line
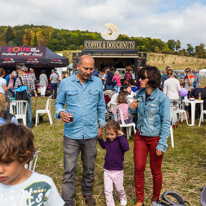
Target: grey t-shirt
54 78
43 80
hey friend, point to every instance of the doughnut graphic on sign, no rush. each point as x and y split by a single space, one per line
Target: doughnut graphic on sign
106 35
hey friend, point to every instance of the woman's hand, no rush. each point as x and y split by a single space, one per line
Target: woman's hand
134 104
159 152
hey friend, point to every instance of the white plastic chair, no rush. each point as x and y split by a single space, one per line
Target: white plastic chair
128 126
45 111
182 113
202 117
19 109
32 163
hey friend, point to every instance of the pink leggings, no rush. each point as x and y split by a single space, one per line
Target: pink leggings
143 145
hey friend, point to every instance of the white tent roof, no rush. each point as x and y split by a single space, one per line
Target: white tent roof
202 73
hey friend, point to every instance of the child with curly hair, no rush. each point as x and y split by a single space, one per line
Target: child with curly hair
116 145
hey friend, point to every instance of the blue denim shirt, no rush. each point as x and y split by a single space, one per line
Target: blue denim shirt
85 102
153 116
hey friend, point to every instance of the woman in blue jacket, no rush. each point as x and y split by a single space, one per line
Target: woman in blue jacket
152 107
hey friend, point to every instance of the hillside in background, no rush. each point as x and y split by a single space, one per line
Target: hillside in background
178 62
62 39
162 60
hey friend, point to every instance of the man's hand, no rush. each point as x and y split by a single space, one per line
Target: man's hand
134 104
65 116
100 131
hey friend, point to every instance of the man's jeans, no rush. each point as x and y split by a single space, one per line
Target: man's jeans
29 113
72 149
195 85
53 87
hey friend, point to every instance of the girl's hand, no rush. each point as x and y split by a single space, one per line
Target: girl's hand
120 133
159 152
134 104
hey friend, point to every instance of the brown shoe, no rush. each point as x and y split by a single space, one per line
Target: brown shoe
90 201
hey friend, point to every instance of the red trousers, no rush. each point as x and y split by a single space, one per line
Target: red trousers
143 145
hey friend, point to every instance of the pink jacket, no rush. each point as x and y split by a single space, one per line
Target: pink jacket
118 78
124 108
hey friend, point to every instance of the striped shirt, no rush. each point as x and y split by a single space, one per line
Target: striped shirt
27 81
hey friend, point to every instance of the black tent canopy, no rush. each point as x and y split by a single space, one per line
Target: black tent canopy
31 57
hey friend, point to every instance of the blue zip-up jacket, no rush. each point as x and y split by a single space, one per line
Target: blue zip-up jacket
86 103
7 81
153 116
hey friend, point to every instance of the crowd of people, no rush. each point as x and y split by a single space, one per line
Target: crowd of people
144 98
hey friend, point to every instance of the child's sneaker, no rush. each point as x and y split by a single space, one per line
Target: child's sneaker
123 202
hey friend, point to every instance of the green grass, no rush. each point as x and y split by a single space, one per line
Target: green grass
183 166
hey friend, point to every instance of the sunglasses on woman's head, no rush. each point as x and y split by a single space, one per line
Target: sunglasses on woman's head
143 77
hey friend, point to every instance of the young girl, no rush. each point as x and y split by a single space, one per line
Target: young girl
122 102
116 145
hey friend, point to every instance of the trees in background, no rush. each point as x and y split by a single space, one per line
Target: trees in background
61 39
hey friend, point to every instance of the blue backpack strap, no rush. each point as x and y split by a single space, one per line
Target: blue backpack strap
177 196
203 196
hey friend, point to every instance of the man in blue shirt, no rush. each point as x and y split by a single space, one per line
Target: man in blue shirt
197 78
83 95
95 72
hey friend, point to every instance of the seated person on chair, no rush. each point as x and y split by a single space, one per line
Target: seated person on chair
18 185
122 103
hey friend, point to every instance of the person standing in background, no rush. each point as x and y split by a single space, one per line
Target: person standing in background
171 89
118 80
188 79
110 75
3 87
54 78
43 82
95 72
10 82
26 80
197 78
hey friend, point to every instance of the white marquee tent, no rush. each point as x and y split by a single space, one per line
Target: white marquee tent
202 73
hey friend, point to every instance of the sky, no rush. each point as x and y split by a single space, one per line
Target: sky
183 20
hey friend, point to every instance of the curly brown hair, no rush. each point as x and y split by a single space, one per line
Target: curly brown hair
112 125
17 143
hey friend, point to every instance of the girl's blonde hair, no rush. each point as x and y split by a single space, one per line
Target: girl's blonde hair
116 73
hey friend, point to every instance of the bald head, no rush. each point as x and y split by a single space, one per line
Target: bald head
86 58
194 70
85 67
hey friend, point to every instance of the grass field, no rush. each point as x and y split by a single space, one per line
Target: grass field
183 166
